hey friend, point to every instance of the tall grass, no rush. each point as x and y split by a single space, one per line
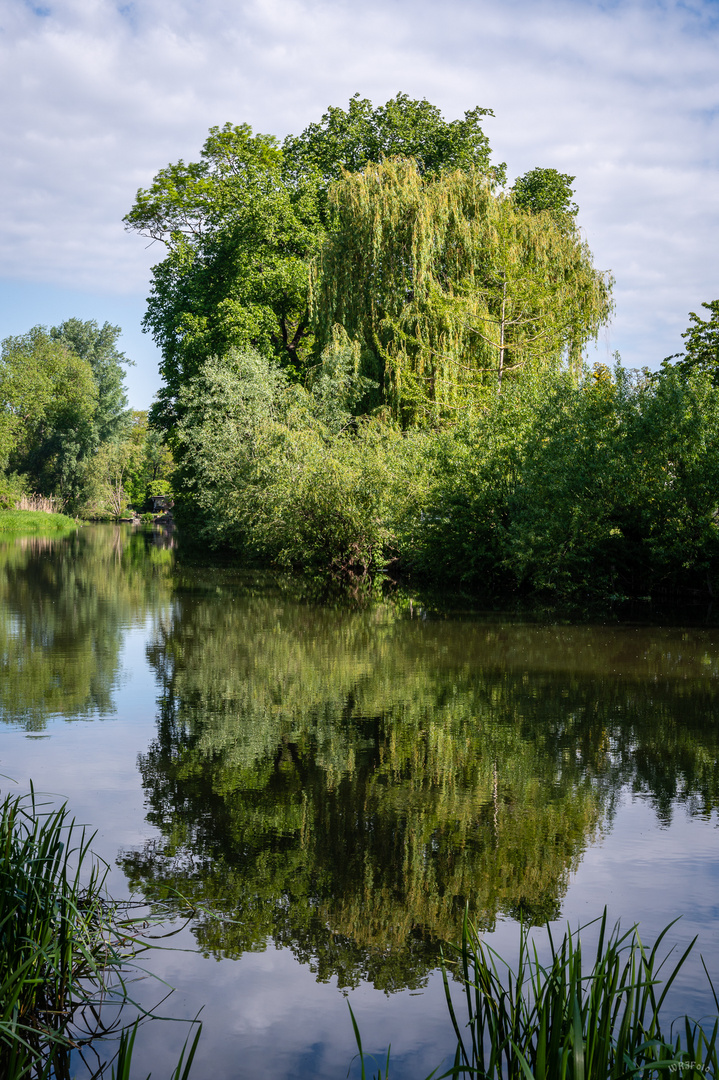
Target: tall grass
47 504
561 1021
64 951
32 521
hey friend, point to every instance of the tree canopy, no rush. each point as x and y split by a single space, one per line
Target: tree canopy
63 411
448 287
546 190
98 345
48 401
348 140
702 343
243 225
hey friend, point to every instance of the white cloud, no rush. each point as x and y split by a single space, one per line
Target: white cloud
98 96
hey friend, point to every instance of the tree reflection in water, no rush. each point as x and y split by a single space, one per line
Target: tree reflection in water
343 782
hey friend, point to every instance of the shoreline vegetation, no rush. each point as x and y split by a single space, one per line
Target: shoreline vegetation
65 948
34 521
374 364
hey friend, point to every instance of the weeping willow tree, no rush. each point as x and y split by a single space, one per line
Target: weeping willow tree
449 289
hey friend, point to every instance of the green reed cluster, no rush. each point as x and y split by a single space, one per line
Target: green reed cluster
64 947
559 1021
556 1020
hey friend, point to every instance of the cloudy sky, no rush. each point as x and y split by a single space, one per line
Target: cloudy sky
97 96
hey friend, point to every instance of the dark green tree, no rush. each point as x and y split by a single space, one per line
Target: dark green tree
239 240
348 140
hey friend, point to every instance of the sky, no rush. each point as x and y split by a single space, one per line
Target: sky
98 96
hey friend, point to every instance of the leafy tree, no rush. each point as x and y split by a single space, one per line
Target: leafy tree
279 474
152 469
49 401
348 140
547 191
239 240
98 345
447 286
702 344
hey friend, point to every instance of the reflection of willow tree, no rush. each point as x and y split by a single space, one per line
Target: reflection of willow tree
64 604
335 783
343 782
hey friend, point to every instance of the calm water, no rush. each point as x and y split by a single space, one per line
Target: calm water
340 783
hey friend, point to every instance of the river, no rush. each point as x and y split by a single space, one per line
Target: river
330 786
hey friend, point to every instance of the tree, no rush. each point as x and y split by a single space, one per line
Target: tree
448 286
547 191
98 345
347 141
239 239
243 225
702 348
48 402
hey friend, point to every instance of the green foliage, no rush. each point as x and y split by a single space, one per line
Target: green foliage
547 191
281 473
449 288
48 430
239 237
602 489
243 225
64 410
347 141
702 344
569 491
128 470
98 345
34 521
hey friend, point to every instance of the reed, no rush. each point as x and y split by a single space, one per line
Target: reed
560 1021
48 504
64 947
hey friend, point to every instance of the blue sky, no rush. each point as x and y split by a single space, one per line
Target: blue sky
97 96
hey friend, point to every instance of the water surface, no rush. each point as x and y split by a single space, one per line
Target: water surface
340 783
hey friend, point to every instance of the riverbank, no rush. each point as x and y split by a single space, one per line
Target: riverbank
34 521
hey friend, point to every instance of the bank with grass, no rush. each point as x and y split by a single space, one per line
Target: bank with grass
34 521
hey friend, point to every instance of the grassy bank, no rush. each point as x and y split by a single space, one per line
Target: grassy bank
34 521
